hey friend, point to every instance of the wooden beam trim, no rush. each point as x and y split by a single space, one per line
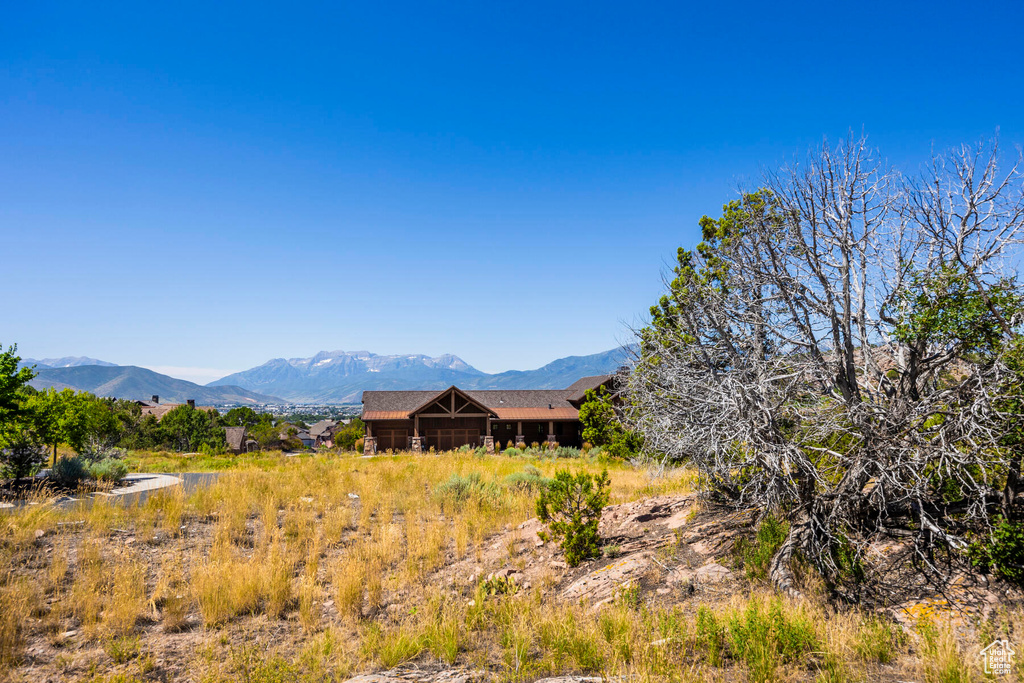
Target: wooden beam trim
450 415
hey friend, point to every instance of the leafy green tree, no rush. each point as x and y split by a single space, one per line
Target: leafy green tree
65 416
597 416
346 436
187 429
12 383
121 424
625 444
243 416
833 350
266 435
21 454
572 506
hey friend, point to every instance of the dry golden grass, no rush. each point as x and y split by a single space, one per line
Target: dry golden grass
270 546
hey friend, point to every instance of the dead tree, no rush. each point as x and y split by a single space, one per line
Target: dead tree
832 350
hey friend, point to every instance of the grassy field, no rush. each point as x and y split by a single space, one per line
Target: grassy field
314 568
165 461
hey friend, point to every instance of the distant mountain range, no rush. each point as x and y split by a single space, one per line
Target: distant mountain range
342 376
327 377
66 362
139 384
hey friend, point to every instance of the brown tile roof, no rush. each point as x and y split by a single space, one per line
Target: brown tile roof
580 387
385 415
322 427
161 409
235 436
523 404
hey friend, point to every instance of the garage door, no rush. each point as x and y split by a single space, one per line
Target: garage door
395 439
449 439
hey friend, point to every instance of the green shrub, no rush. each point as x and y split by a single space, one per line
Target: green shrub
530 480
22 456
572 506
95 451
757 554
625 444
566 452
458 488
69 472
1002 552
709 636
765 636
110 469
512 452
500 585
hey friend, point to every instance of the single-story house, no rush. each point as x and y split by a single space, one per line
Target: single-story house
453 417
323 432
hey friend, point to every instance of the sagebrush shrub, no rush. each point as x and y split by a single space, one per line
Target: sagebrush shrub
572 506
69 472
109 469
529 480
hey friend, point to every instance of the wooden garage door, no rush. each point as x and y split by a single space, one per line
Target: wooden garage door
395 439
448 439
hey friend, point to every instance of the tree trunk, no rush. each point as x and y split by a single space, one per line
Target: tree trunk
781 570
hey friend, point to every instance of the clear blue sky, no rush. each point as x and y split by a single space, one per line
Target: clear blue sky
209 186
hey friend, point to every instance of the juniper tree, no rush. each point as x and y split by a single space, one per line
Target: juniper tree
833 350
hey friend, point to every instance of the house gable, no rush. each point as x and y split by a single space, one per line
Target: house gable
452 402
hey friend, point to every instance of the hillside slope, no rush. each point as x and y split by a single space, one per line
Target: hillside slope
141 384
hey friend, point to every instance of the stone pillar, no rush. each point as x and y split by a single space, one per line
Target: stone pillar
417 443
489 444
520 441
552 442
369 445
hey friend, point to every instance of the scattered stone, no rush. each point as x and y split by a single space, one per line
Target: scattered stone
603 582
306 499
678 520
712 573
556 564
39 534
353 496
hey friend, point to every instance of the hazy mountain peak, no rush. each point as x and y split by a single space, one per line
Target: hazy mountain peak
342 376
66 362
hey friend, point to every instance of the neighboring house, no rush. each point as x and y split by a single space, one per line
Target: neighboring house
158 409
323 432
235 437
453 417
306 438
302 435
